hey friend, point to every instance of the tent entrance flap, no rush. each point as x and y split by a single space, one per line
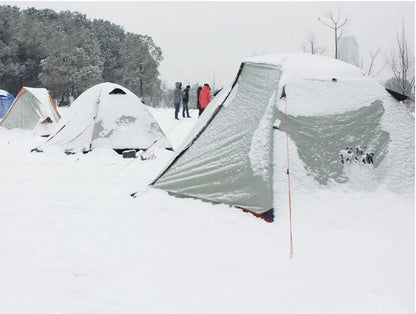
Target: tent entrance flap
227 163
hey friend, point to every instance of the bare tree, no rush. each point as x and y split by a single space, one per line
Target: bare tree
310 45
401 64
370 71
335 22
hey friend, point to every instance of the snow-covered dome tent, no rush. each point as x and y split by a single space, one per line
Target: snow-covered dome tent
6 100
106 115
33 109
343 130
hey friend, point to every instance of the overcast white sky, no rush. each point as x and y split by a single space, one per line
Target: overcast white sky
201 41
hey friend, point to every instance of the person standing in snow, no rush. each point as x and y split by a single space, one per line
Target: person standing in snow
198 104
205 97
185 100
177 97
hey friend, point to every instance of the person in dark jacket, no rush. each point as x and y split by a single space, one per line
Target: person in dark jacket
205 97
177 97
185 100
198 104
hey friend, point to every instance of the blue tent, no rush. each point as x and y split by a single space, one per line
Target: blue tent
6 100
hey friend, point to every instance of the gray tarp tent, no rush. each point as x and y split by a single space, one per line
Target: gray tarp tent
235 153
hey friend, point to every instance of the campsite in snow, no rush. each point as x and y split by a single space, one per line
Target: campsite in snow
291 192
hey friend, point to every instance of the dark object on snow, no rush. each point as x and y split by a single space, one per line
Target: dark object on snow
283 93
356 155
334 79
398 96
368 159
129 153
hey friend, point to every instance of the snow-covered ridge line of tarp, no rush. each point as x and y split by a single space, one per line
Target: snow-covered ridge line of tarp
203 120
317 85
205 117
307 66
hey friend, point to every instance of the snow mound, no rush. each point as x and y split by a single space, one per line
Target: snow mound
72 240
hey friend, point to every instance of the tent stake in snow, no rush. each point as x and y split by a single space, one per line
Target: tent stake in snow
142 153
288 176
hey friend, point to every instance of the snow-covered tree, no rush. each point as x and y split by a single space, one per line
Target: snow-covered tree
140 62
67 53
10 23
39 36
69 73
74 63
110 38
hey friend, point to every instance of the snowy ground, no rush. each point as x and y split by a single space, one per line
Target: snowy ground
73 241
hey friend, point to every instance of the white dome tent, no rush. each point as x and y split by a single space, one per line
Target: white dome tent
343 128
106 115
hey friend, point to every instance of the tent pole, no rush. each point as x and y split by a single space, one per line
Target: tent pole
288 180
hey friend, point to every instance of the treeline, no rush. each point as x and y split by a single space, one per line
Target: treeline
67 53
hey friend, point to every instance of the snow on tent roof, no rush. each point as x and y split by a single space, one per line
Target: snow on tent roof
33 109
106 115
4 93
343 128
6 100
321 85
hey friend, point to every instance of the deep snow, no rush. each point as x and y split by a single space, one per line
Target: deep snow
72 240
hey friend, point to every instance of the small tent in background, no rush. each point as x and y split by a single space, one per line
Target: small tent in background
338 120
106 115
33 109
6 100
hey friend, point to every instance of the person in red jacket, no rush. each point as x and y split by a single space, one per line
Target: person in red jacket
204 97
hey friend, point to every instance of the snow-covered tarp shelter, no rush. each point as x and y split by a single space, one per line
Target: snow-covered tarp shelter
6 100
106 115
33 109
320 121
